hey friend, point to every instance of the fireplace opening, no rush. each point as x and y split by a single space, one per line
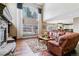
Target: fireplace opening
3 32
2 35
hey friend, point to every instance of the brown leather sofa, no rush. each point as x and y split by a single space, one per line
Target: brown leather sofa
66 44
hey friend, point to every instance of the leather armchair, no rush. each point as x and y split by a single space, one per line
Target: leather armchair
66 44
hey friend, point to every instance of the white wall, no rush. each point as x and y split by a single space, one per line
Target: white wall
76 24
16 17
13 11
19 23
66 21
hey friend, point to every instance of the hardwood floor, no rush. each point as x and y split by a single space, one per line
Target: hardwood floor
22 49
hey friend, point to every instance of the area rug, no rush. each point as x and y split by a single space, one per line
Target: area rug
43 53
39 48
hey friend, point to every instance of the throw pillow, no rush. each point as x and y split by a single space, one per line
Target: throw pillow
55 36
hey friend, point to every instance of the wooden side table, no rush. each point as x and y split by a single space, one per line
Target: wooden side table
45 40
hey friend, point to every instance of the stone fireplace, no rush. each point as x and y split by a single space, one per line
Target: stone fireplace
3 31
6 48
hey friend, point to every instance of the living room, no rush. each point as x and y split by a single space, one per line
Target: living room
40 29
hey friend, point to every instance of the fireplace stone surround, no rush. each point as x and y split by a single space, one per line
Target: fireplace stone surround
6 48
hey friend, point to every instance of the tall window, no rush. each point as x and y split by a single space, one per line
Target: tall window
30 20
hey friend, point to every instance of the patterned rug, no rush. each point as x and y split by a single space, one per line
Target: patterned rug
38 48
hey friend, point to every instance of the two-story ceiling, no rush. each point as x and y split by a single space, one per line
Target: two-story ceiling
57 12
